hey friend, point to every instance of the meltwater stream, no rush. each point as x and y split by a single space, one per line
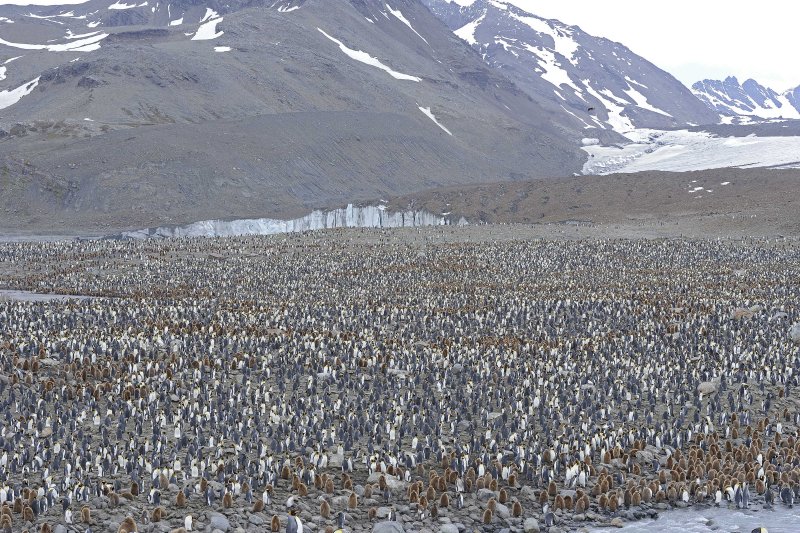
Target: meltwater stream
718 519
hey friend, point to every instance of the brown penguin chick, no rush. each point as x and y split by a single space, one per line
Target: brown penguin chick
487 516
5 522
503 497
227 500
163 481
516 509
512 480
158 514
86 515
368 491
352 501
559 502
329 487
493 485
580 507
348 484
46 528
413 496
382 482
372 513
113 499
135 489
27 514
491 505
543 497
434 511
128 526
569 502
285 472
275 524
325 509
613 503
430 494
480 483
258 506
423 503
180 499
302 489
328 529
628 498
602 501
672 493
444 501
647 494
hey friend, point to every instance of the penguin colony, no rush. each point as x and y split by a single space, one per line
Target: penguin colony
331 381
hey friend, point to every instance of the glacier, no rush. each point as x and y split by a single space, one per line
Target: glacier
348 217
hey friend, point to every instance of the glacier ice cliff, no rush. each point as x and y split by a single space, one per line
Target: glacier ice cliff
348 217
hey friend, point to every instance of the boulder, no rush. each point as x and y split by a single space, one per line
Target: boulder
531 525
485 495
706 388
388 527
219 521
794 332
448 528
502 511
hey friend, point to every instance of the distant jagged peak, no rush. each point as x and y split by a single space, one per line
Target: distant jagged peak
749 99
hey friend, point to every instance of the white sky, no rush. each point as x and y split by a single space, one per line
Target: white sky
694 39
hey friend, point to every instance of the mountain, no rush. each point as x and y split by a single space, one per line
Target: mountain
601 84
117 115
749 100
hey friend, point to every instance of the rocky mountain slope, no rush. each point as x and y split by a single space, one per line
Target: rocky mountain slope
122 115
601 84
750 99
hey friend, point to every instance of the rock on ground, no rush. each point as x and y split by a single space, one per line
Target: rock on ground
220 522
794 333
531 525
388 527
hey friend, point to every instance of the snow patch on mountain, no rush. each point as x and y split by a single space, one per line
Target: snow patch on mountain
564 44
122 6
430 115
467 31
208 30
88 44
367 59
399 16
11 97
641 101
